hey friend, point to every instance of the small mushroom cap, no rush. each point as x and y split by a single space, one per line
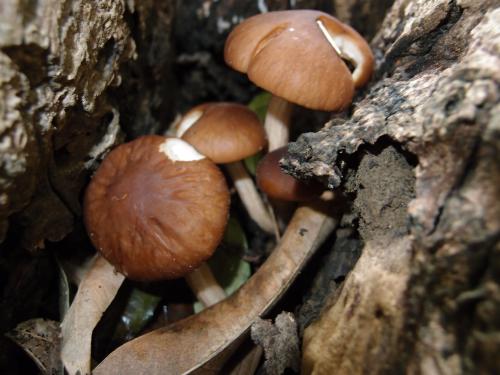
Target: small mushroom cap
278 185
156 208
289 54
224 132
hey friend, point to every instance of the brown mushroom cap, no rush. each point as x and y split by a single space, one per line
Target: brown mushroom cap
152 215
287 54
224 132
278 185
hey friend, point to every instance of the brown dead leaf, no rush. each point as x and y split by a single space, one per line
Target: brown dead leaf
280 342
40 339
95 293
196 344
249 363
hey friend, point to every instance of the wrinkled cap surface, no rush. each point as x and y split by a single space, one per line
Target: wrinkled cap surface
278 185
153 215
288 54
224 132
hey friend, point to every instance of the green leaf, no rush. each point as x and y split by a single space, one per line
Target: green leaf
139 310
259 104
227 265
234 235
251 163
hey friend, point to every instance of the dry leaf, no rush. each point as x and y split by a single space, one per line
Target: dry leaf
97 290
280 342
63 291
249 363
40 339
198 342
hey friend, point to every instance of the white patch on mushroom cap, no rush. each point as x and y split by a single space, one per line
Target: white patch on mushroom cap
178 150
188 121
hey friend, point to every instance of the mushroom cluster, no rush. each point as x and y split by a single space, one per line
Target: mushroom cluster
157 206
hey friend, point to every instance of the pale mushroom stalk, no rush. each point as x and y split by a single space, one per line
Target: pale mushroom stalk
277 122
309 227
250 197
204 285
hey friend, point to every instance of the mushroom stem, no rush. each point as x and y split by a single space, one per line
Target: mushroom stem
277 122
250 197
203 284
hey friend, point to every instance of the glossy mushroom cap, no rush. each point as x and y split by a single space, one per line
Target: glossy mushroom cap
297 55
278 185
156 208
224 132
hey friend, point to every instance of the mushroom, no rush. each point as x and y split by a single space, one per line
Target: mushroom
299 56
278 185
283 189
228 133
155 209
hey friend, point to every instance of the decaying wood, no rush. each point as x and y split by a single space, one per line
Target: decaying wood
423 297
195 343
57 58
280 342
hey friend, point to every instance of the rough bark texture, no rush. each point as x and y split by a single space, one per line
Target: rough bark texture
58 58
424 295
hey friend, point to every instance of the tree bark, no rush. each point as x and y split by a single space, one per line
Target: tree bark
420 156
